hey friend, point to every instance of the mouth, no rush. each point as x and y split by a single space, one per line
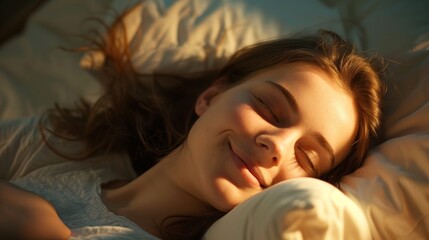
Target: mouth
248 175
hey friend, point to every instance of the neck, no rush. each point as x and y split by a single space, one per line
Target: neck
161 192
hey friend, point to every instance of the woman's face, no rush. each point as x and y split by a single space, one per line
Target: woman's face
281 123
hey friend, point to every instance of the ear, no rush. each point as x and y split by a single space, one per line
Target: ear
203 101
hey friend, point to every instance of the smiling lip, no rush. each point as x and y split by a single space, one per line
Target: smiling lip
248 176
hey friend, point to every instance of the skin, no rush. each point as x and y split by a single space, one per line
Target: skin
25 215
246 139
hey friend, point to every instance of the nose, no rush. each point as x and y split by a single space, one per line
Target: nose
276 145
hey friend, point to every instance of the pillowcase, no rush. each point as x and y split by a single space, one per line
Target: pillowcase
392 186
301 208
192 35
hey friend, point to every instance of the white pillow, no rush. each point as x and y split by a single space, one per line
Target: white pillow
191 35
392 187
301 208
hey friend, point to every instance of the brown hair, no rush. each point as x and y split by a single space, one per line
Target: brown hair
136 112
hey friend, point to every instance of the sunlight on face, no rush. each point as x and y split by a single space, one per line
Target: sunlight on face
281 123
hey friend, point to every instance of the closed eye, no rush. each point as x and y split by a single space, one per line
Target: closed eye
266 107
306 163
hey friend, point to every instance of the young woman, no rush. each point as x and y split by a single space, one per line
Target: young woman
287 108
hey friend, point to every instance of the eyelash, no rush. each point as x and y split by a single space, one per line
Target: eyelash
311 169
276 119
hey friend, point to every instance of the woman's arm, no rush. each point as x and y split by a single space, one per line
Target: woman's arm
25 215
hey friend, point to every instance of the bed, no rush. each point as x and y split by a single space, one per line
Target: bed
388 198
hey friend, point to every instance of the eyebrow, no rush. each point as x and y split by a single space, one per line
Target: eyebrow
294 105
287 95
325 144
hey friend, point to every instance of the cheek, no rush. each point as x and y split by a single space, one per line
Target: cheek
244 118
241 115
233 112
207 146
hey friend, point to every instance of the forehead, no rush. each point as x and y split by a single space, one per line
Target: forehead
286 71
324 106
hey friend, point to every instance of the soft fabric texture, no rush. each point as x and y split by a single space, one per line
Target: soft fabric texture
72 187
74 190
392 187
23 151
301 208
390 190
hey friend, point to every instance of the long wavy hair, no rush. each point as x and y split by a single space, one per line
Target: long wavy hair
149 115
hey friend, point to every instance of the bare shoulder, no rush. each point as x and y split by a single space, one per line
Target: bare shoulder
26 215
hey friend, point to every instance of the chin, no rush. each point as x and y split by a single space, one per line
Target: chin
225 195
226 201
226 206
